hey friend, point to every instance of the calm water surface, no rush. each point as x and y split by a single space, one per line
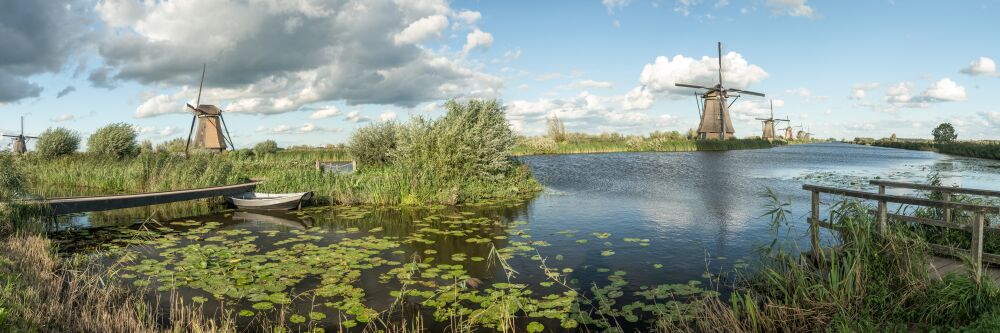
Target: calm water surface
661 218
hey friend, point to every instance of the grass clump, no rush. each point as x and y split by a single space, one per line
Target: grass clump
115 140
57 142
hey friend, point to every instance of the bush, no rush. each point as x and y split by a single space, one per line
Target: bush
57 142
115 140
265 147
375 144
175 145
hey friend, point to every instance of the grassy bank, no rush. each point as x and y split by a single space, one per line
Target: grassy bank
978 149
578 143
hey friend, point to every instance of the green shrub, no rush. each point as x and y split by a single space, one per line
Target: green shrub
57 142
265 147
115 140
374 145
175 145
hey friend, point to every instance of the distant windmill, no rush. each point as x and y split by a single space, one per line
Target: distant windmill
769 123
715 119
802 134
789 136
210 124
21 140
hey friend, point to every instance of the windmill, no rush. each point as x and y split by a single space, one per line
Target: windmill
715 120
802 134
789 135
21 140
211 124
769 123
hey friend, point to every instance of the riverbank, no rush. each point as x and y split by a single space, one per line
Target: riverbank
586 144
977 149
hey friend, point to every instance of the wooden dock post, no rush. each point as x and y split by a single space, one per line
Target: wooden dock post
978 224
947 211
883 213
814 225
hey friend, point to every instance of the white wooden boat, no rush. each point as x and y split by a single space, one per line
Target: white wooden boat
269 201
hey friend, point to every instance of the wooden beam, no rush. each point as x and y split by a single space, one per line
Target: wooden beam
946 189
933 222
72 205
902 199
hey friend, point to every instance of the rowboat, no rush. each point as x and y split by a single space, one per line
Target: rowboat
269 201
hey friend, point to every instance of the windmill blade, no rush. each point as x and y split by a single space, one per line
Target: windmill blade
692 86
195 110
202 84
190 131
720 64
746 92
229 138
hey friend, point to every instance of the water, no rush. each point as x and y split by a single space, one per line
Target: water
626 222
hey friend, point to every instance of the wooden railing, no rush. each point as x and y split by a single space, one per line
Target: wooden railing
976 228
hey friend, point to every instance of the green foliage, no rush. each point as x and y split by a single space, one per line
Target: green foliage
116 140
557 129
57 142
892 137
374 145
175 145
265 147
944 133
576 143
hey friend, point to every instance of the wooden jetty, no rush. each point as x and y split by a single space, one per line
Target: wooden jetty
946 259
72 205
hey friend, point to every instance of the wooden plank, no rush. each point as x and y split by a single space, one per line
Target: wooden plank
947 189
956 252
72 205
901 199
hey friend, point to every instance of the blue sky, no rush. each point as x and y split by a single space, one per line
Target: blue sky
308 72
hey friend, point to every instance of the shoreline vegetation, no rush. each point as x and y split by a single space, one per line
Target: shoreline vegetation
978 149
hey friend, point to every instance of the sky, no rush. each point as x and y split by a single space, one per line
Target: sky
311 71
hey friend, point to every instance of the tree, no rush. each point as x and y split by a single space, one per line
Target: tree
892 137
57 142
265 147
944 133
557 130
375 144
115 140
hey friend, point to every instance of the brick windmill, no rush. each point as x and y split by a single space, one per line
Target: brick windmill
768 124
211 125
20 144
715 119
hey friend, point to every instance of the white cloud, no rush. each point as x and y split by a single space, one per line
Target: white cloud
614 4
325 112
548 76
511 55
387 116
750 109
477 39
422 29
63 117
859 91
991 118
356 116
288 129
658 78
946 90
981 66
801 92
168 131
158 105
792 8
589 84
469 17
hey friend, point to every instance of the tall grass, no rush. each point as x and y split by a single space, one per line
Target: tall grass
576 143
978 149
870 281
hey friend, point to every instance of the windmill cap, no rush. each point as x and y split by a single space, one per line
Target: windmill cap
209 109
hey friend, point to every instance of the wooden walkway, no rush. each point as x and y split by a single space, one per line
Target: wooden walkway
72 205
941 266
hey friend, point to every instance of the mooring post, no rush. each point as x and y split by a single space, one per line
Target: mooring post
814 225
883 213
977 240
947 211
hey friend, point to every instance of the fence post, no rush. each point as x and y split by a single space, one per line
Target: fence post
883 214
977 240
947 211
318 166
814 225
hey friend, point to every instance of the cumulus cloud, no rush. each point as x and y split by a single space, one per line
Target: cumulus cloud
859 91
945 90
750 109
325 112
801 92
477 39
63 117
356 116
589 84
982 66
288 129
468 17
585 111
658 78
280 56
387 116
422 29
158 105
792 8
37 37
65 91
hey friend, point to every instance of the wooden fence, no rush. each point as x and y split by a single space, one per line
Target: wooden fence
977 228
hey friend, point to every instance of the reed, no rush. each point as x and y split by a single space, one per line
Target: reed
578 143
